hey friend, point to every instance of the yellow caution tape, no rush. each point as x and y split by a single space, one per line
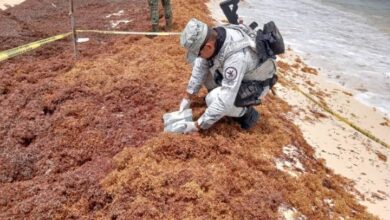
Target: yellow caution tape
341 118
31 46
130 32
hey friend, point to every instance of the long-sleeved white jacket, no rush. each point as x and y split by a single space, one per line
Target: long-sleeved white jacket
233 67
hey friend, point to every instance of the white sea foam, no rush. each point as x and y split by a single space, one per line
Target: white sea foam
379 101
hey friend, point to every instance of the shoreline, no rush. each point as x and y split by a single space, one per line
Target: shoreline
331 44
345 150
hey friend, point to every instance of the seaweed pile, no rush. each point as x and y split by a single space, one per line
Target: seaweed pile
86 141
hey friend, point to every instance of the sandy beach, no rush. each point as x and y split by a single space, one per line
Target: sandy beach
345 150
4 4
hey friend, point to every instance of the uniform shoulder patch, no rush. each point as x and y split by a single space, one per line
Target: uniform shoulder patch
230 73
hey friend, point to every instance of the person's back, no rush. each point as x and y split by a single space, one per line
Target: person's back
246 55
154 14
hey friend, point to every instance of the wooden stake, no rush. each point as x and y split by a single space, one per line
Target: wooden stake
72 22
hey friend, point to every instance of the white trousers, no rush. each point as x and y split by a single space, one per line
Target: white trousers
232 112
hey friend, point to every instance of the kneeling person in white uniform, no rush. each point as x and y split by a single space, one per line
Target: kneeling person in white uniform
223 58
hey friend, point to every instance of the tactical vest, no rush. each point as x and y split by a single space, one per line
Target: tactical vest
256 83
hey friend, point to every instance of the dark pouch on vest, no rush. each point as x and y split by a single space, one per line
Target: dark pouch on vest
249 93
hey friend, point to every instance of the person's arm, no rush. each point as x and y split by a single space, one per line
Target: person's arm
198 75
233 72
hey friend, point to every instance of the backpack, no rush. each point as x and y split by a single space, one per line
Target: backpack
269 42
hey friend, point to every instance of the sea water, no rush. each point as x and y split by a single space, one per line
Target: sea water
349 40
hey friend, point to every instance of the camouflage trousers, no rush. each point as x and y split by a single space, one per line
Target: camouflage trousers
154 15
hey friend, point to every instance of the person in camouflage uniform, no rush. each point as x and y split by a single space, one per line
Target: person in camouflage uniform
154 15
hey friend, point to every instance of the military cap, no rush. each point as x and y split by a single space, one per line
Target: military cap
193 37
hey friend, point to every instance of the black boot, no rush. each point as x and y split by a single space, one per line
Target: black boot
249 119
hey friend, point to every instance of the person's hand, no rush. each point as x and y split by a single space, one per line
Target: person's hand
185 127
185 104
